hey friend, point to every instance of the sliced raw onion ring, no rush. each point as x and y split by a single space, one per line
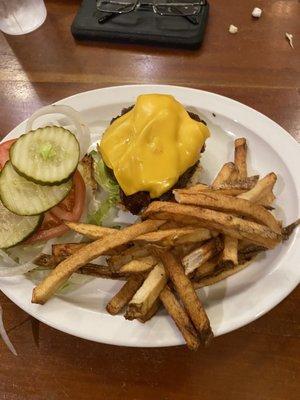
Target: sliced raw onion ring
82 132
12 268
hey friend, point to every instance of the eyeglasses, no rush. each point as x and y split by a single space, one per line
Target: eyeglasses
164 8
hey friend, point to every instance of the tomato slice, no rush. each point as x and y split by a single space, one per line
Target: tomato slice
70 209
62 210
4 151
47 234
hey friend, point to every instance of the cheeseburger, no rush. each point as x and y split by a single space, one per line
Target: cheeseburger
152 148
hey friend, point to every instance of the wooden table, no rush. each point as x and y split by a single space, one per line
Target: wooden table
257 67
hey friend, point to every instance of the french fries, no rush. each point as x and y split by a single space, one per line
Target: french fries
139 265
125 294
86 170
100 271
64 250
46 261
264 186
206 269
134 252
188 296
151 312
90 231
147 294
240 155
64 270
230 254
199 256
171 237
208 234
230 204
227 224
180 317
220 275
227 173
231 188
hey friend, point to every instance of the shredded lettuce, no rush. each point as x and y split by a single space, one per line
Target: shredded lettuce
109 185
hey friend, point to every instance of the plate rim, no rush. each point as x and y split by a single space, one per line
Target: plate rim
229 103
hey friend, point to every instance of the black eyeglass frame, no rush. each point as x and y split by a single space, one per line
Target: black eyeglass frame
139 4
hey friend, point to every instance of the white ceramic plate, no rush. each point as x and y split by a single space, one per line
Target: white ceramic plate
231 303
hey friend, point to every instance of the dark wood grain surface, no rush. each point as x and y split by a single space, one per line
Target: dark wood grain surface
257 67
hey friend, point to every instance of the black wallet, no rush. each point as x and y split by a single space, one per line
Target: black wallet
140 26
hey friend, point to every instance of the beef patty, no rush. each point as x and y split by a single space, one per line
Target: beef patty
139 200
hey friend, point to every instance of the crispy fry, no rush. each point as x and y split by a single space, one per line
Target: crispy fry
230 254
151 312
188 296
236 205
240 155
125 294
46 261
139 265
199 256
215 220
239 184
266 200
231 188
99 271
147 294
171 237
127 255
85 167
288 230
263 186
91 231
63 250
219 275
180 318
199 235
183 249
224 175
207 268
64 270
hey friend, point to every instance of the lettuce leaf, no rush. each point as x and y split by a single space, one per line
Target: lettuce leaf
109 185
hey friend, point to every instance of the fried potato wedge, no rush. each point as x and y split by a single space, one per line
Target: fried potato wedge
215 220
64 270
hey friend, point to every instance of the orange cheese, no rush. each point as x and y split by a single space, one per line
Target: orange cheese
152 145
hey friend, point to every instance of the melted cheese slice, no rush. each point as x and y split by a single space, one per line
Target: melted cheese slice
152 145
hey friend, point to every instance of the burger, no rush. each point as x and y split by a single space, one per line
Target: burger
152 148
